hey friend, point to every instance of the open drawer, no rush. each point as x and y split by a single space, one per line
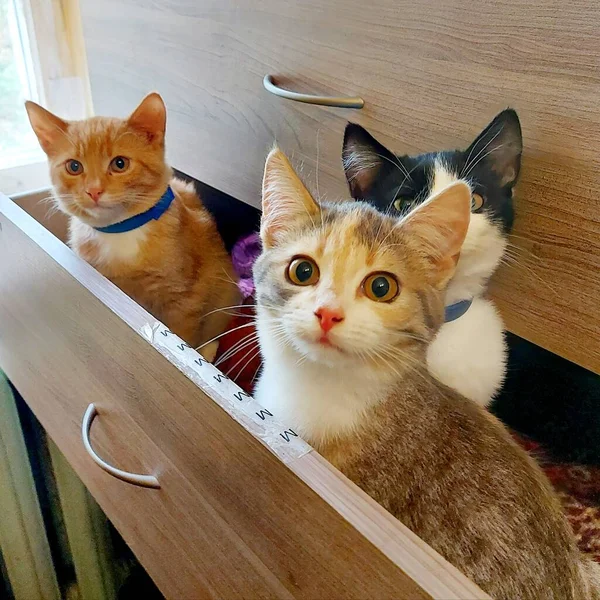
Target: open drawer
244 507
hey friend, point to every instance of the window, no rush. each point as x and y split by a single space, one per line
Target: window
42 58
18 144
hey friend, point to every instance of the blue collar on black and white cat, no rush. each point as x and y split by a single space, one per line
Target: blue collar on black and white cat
152 214
456 310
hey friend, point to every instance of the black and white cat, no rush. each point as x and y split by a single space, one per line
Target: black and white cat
469 353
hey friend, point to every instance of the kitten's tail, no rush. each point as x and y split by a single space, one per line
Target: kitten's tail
590 572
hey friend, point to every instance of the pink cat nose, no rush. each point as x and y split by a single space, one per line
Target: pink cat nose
328 317
94 193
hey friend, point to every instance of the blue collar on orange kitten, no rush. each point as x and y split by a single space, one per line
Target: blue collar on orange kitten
152 214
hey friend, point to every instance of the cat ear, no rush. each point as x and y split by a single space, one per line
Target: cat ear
285 200
150 117
499 146
364 160
441 225
48 128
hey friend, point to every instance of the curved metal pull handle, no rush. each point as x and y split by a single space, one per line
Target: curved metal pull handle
341 102
141 480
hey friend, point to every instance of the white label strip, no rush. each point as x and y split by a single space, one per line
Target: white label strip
282 441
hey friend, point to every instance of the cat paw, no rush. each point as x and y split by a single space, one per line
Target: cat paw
210 351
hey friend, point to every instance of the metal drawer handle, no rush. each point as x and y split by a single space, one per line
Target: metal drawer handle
341 102
141 480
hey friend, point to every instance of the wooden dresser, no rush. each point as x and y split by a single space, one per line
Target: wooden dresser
244 508
432 74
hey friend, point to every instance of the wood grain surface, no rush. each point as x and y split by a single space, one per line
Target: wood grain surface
230 520
432 75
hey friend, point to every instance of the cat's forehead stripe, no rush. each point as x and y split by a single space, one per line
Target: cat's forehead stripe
343 239
443 176
359 235
96 136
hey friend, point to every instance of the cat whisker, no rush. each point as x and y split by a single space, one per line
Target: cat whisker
386 213
51 211
519 237
317 171
249 340
247 363
256 374
301 360
384 240
389 365
394 350
224 308
53 207
511 261
522 252
398 191
228 276
268 307
216 278
406 361
239 314
412 336
64 134
246 341
230 371
218 337
483 158
400 187
280 332
397 164
467 168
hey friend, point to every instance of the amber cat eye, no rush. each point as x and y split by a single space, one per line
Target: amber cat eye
381 287
74 167
303 271
477 202
119 164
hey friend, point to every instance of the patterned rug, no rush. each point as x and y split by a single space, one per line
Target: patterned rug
578 486
579 490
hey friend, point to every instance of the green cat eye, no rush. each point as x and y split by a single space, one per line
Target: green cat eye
303 271
381 287
74 167
403 203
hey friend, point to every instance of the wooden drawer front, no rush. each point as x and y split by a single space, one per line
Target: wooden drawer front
432 75
230 520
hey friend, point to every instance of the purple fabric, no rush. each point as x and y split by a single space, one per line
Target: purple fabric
243 255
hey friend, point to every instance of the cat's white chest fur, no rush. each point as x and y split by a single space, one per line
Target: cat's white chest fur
316 401
469 354
111 247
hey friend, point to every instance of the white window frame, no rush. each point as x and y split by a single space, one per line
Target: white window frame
58 67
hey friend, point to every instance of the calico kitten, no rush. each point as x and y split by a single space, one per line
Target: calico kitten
469 352
170 259
347 301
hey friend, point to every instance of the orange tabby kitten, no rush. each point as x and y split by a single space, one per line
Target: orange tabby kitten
347 301
140 227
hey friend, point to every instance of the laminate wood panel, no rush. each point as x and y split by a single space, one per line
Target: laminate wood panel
41 207
432 75
230 520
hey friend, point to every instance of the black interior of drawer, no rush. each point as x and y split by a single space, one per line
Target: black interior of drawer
234 218
551 400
